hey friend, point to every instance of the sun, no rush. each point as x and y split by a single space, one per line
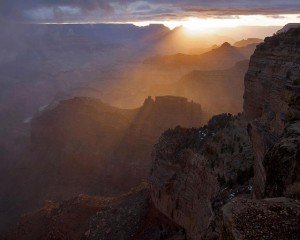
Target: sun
193 25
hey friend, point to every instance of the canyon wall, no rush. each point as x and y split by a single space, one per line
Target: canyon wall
271 98
271 106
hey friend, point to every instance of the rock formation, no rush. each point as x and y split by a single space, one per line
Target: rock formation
271 99
196 171
272 107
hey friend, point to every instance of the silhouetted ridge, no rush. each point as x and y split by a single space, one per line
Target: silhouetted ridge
225 45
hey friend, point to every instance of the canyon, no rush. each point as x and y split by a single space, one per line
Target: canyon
205 179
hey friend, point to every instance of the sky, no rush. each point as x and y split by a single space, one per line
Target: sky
172 13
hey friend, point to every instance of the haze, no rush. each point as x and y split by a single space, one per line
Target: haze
94 95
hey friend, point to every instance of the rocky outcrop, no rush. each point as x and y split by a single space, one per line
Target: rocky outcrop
195 170
276 218
271 98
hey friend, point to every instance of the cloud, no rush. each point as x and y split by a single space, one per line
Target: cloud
138 10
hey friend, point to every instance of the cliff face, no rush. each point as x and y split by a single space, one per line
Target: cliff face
272 104
271 98
194 172
272 78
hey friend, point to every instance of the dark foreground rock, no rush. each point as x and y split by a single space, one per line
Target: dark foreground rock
269 219
128 217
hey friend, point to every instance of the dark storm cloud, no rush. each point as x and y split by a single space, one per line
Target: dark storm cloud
133 10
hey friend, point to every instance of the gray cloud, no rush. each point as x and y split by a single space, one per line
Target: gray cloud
137 10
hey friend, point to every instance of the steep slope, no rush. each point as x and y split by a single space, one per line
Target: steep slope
273 108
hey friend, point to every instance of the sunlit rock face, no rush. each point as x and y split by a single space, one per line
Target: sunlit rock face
192 167
271 98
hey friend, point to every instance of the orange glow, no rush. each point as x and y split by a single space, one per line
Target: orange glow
195 25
